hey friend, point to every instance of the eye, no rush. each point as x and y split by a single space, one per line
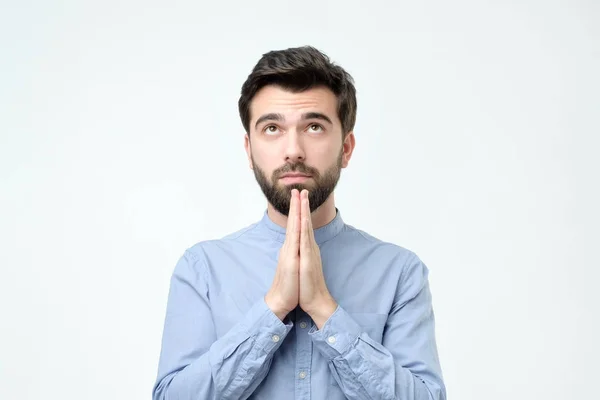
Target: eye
315 128
271 129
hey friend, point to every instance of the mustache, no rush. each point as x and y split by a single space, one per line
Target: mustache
297 167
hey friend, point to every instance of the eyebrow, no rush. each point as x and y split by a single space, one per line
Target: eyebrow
269 117
316 115
280 117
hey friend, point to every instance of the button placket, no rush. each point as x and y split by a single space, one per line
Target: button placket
303 356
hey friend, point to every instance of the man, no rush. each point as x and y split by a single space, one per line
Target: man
299 305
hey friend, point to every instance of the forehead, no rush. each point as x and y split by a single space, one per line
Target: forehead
275 99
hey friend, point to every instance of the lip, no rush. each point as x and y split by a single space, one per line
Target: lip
294 178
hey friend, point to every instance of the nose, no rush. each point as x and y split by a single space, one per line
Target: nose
294 148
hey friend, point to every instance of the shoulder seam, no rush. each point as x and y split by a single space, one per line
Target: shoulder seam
241 232
203 268
369 238
406 266
363 235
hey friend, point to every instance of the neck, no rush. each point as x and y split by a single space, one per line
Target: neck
320 217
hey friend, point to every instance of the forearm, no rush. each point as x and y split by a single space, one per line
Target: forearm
211 377
367 370
364 368
231 368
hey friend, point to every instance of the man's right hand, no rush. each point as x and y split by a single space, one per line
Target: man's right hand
283 295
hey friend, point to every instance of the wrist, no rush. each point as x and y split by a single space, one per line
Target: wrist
275 306
322 311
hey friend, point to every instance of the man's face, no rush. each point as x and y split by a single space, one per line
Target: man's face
296 142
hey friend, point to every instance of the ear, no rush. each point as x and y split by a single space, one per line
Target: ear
348 148
248 147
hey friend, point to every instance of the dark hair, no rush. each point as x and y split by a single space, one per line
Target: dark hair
298 69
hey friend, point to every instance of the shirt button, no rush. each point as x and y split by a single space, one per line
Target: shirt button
302 375
275 338
331 339
302 324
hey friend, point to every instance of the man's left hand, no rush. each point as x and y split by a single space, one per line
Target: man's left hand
314 297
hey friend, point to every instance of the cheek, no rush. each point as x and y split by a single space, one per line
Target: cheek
265 161
324 157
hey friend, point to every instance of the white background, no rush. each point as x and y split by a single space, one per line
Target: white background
477 144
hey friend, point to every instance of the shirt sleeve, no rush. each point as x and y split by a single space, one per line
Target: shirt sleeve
405 366
194 363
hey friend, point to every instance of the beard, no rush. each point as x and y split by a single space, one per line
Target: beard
319 190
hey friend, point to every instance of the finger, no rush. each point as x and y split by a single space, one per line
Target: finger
306 221
290 221
311 232
296 216
292 231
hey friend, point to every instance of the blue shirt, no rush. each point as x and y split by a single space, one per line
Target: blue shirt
221 341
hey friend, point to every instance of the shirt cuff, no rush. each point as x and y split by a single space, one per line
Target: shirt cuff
337 335
261 323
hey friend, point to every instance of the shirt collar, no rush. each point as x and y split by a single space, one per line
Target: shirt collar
322 234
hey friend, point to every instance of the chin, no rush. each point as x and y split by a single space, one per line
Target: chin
299 186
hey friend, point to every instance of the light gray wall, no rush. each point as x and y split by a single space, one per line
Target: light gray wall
477 142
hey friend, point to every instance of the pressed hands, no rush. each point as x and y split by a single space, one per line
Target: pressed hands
299 276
